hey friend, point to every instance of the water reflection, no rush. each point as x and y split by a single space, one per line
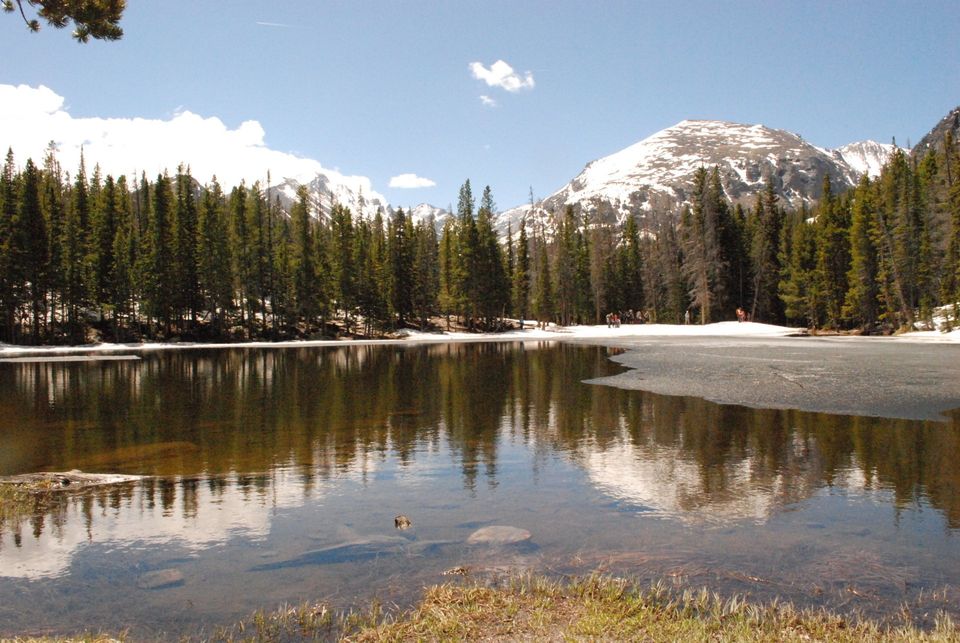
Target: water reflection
260 453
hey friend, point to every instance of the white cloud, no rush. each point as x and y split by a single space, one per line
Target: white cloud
410 181
487 101
31 117
502 75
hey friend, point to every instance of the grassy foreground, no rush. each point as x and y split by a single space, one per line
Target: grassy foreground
538 609
589 609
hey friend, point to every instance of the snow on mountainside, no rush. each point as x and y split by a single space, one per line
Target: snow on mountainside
866 157
424 211
354 192
657 173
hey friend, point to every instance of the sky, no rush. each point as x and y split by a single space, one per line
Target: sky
414 97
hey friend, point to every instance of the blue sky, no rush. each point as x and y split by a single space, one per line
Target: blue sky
383 89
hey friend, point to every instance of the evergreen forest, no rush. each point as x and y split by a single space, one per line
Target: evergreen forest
89 257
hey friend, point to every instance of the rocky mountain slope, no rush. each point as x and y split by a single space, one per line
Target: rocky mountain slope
935 137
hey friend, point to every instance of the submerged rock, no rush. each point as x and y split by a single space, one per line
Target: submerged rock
160 579
498 535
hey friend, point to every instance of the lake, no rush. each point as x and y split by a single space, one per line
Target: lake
275 475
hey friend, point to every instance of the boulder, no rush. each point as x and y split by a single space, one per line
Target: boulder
498 535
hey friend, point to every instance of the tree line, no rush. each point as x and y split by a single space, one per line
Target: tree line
98 257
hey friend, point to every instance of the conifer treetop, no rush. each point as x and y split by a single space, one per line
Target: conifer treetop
99 19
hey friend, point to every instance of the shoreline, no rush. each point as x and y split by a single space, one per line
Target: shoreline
747 330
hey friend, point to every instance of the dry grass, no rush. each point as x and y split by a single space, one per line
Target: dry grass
613 609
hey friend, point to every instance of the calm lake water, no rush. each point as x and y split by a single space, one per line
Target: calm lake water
275 476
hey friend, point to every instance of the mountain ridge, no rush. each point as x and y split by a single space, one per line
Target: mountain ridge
654 174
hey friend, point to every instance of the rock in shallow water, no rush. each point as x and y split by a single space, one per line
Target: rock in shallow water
160 579
498 535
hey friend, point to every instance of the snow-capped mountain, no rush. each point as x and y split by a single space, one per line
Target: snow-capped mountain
329 187
657 173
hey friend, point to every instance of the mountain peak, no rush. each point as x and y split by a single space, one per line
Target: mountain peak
658 172
662 166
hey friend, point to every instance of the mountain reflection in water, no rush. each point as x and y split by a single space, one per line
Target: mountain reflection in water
260 456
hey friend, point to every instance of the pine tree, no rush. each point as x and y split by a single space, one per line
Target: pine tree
798 285
860 304
952 263
521 274
426 270
214 261
8 210
30 253
491 282
54 208
631 267
543 297
833 254
92 18
601 243
767 223
378 270
399 244
672 303
123 291
345 293
241 252
185 274
582 281
370 301
895 242
160 285
282 292
258 255
564 272
447 298
466 276
306 297
104 224
709 240
74 253
142 276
